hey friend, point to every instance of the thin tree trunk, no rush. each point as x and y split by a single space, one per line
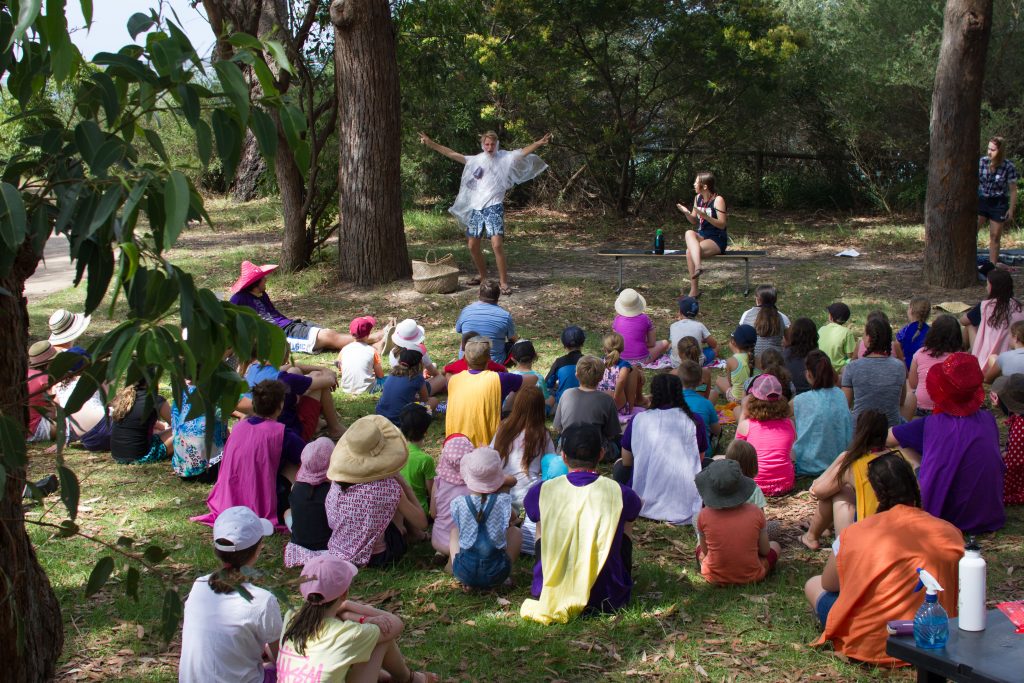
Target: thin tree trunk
27 601
951 204
251 167
295 253
371 241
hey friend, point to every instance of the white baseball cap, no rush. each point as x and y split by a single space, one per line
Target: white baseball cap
241 528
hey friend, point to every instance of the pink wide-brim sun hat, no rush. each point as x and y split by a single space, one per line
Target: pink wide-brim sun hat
250 274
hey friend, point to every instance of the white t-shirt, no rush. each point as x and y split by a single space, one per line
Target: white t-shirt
514 466
686 328
357 367
223 635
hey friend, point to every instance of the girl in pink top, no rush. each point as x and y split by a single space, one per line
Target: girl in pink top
943 338
766 425
636 328
989 334
448 485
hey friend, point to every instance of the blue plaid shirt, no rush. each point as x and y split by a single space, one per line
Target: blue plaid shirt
994 184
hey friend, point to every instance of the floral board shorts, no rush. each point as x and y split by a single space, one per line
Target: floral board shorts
487 222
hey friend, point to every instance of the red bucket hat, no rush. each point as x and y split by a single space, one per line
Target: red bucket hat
955 385
251 273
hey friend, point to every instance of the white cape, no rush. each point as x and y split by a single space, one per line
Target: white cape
487 177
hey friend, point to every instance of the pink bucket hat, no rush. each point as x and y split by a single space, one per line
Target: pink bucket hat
455 447
316 458
481 469
766 388
326 576
251 274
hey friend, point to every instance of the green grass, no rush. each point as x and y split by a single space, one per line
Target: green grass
677 628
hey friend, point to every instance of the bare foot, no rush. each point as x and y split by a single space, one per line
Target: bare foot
808 542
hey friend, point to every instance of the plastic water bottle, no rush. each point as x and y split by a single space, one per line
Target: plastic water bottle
659 242
931 623
971 599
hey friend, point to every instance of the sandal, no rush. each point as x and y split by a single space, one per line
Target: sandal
506 290
697 273
473 281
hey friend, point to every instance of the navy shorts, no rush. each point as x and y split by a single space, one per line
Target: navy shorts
994 208
715 235
824 605
487 222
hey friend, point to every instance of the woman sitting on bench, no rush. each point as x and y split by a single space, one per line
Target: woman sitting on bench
709 215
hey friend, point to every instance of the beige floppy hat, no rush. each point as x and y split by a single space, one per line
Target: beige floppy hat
630 303
373 448
66 326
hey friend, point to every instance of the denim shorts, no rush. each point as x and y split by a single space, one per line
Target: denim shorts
487 222
994 208
824 605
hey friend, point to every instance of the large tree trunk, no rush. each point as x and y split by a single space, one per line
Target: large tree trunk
951 204
31 598
251 167
371 240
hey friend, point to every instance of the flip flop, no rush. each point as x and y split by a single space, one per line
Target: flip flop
473 281
506 290
697 273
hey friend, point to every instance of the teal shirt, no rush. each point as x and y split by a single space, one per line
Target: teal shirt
706 409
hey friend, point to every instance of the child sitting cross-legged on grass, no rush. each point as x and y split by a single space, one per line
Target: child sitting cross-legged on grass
734 548
690 374
359 361
419 470
562 374
483 542
404 385
310 529
337 639
689 350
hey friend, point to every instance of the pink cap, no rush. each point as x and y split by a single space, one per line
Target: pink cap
361 326
327 576
766 388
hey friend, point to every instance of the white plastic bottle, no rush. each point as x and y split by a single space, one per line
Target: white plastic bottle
971 601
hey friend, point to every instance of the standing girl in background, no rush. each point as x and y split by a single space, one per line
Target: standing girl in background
997 194
709 239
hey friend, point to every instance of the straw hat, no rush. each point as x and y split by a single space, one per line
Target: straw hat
40 353
955 385
250 274
630 303
372 448
482 471
722 484
66 326
408 334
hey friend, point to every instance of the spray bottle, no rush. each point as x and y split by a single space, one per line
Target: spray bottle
931 623
971 599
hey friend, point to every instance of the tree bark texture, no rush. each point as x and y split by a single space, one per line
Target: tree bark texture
26 590
371 240
951 203
261 18
295 249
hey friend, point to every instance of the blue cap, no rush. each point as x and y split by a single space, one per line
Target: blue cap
573 337
745 336
689 306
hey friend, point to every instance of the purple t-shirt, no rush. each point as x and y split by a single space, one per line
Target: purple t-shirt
961 473
612 588
297 386
509 382
634 333
698 421
263 306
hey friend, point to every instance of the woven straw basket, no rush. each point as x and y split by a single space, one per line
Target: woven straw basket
438 276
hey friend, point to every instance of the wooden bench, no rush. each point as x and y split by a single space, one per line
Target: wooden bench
620 254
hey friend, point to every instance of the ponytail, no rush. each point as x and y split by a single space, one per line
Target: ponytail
123 403
307 623
230 575
480 510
